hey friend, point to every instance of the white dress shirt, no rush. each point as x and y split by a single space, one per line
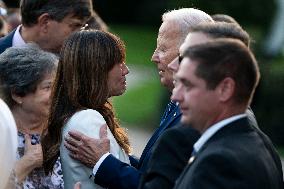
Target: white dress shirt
18 41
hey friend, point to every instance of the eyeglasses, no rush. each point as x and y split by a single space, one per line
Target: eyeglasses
85 27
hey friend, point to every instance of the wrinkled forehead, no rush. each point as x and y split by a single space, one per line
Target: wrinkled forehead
169 31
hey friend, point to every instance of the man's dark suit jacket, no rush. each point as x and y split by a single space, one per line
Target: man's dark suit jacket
115 174
238 156
6 42
170 156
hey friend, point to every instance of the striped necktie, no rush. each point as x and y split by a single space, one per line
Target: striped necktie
170 107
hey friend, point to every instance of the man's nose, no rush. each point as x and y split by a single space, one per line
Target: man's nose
177 94
174 65
155 57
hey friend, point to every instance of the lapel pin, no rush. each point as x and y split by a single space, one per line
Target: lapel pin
191 159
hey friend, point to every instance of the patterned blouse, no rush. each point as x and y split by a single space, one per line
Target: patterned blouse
37 179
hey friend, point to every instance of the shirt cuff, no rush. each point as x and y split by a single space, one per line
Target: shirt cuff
98 164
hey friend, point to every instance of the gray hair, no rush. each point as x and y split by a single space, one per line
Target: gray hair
186 18
22 69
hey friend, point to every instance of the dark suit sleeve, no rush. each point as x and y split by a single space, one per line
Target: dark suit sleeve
6 41
115 174
170 156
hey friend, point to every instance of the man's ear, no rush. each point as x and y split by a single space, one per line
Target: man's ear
43 21
226 89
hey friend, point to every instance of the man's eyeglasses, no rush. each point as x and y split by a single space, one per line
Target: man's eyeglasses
85 27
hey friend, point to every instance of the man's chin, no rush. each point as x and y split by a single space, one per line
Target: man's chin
185 120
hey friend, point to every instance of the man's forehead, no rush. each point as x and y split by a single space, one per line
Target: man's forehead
168 35
169 28
192 39
186 65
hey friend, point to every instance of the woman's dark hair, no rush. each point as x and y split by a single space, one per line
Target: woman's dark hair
81 83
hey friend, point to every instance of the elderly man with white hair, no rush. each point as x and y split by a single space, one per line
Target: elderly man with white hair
108 171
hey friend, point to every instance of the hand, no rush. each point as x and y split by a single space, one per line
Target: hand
33 153
32 159
85 149
77 185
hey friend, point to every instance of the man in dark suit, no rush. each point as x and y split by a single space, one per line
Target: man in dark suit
177 143
48 23
108 171
215 84
169 157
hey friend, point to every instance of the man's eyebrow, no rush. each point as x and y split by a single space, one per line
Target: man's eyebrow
177 78
182 80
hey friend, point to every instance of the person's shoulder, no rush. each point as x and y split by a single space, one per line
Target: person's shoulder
87 113
88 118
6 41
87 121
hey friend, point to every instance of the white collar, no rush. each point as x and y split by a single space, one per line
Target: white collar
18 41
213 129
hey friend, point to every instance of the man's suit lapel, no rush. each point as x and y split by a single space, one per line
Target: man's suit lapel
241 125
171 120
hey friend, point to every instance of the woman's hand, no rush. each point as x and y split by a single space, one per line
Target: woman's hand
33 153
32 159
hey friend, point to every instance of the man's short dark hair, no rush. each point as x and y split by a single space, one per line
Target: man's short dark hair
95 22
221 58
56 9
224 18
223 30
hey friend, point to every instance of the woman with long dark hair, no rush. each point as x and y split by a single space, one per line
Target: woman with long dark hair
91 70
